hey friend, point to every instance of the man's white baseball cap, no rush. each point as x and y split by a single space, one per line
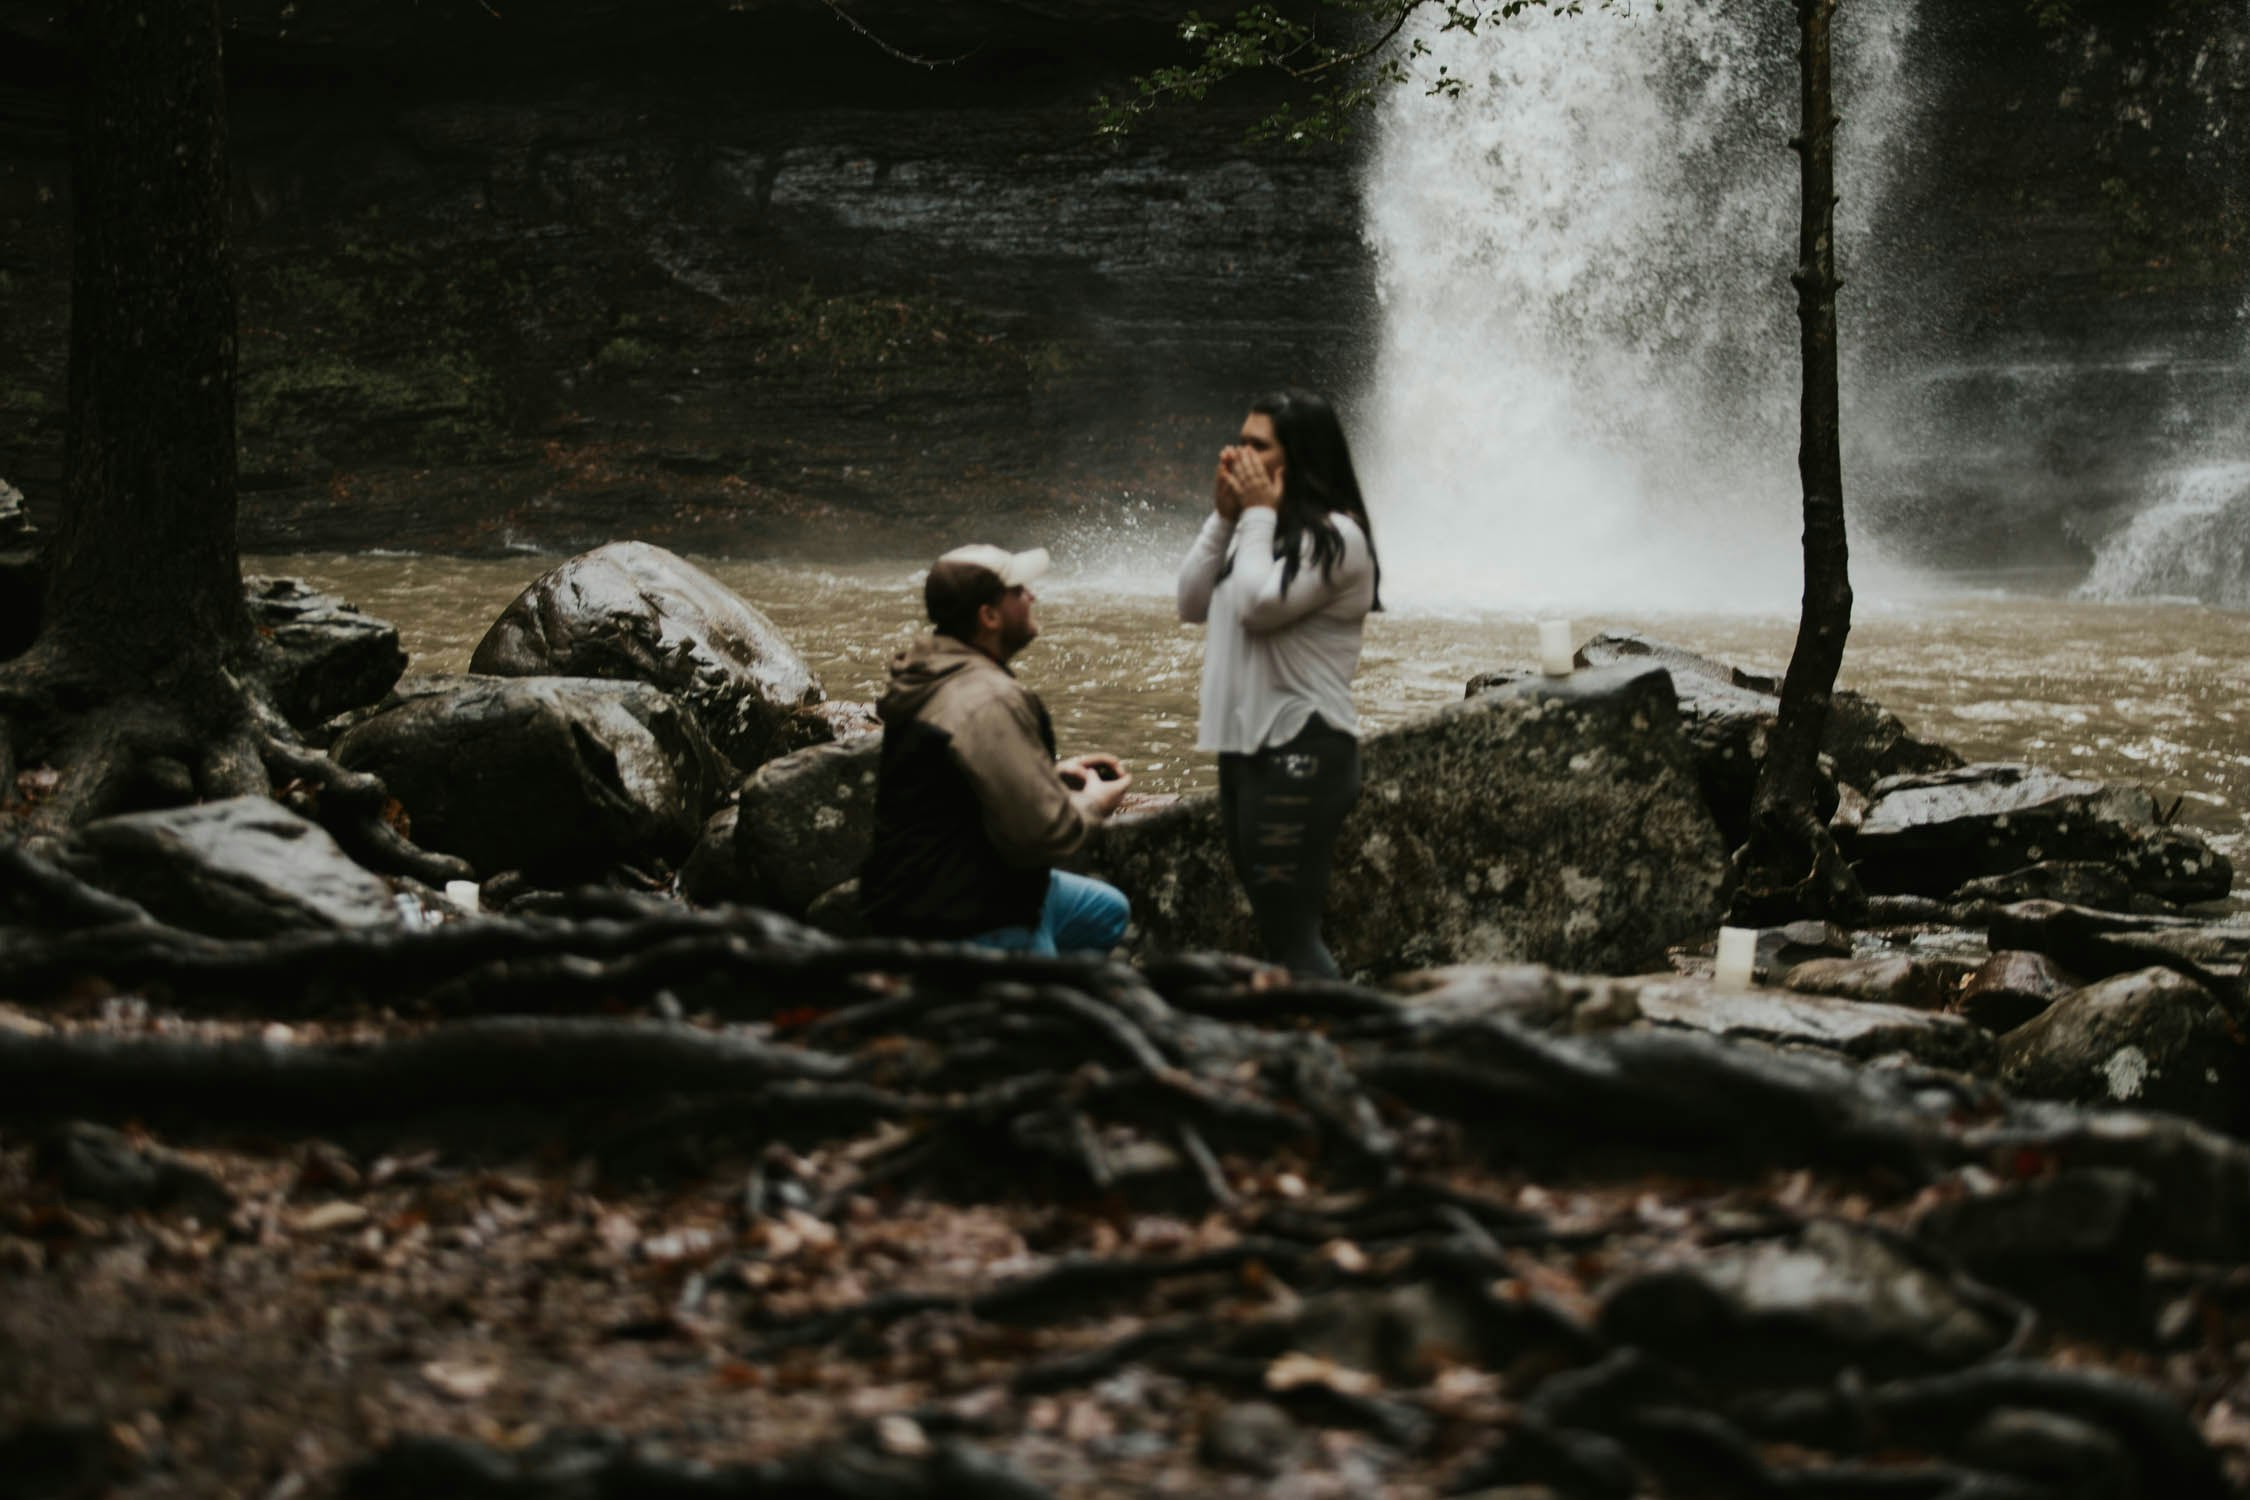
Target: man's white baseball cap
979 574
1013 569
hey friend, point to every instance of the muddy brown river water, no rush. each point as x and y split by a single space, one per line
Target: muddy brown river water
2155 694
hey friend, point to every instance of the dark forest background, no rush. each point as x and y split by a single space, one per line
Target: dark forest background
738 276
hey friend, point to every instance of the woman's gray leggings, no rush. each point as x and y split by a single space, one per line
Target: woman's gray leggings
1282 808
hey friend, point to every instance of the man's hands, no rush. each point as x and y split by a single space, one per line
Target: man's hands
1243 483
1097 783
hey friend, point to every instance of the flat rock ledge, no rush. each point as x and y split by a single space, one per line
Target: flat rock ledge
1550 822
1856 1028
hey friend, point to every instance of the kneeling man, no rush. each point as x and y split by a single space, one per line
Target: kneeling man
972 810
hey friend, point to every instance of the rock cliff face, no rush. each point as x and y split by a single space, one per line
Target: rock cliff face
735 272
2066 253
745 273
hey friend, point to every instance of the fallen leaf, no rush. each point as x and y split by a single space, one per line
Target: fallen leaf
1345 1256
618 1232
459 1379
1296 1369
328 1216
1086 1422
901 1435
681 1244
15 1021
737 1375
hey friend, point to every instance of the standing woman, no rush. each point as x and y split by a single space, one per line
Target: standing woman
1284 572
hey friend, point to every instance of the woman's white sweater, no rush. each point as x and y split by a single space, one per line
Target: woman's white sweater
1274 657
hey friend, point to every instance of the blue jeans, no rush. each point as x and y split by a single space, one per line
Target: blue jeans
1081 915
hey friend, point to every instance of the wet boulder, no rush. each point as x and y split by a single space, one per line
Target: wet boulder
2152 1039
1556 821
558 777
2072 1243
1529 994
1855 1028
825 723
1930 834
2096 1213
2079 882
708 876
1804 1309
637 613
1780 949
319 656
244 867
805 823
836 912
2200 1177
1883 979
1726 715
2013 986
2096 944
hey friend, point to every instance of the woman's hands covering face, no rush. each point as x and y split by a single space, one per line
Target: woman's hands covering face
1244 482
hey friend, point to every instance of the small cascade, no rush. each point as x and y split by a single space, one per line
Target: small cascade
2193 542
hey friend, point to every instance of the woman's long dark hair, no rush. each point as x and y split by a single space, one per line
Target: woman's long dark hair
1317 482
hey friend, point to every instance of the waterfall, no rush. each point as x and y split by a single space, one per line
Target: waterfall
2193 542
1587 383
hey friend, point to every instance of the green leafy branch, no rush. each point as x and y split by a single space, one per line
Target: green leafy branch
1338 57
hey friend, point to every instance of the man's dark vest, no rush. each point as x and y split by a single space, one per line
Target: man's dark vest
932 872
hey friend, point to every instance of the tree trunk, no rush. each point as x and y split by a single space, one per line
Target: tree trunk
127 693
1790 864
138 689
144 573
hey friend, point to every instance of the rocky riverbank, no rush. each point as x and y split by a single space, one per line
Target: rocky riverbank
563 1182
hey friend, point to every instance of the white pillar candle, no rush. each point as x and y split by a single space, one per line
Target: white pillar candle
1738 957
463 895
1555 650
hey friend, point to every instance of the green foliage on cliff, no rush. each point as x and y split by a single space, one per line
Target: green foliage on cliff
1336 56
874 343
362 340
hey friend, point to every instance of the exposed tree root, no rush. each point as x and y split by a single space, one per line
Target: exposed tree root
183 737
200 734
1065 1079
542 1063
351 805
1073 1288
466 968
1047 1039
1789 868
1665 1091
1941 1411
1406 1211
43 893
569 1466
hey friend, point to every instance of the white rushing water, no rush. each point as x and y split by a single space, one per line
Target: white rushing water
1587 385
2192 542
